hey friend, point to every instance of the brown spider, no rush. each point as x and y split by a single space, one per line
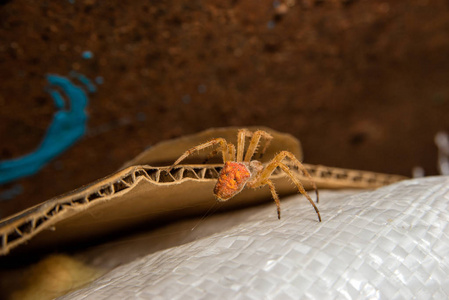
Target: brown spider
239 171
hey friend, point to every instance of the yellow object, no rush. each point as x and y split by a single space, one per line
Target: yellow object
54 276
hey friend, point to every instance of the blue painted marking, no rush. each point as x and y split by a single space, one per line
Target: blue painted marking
84 80
68 126
57 98
87 55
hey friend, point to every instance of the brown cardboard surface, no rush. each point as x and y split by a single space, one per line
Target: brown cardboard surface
166 152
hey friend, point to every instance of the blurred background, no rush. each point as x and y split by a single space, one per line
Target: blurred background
86 85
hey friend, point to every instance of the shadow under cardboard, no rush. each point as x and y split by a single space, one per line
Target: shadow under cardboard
127 248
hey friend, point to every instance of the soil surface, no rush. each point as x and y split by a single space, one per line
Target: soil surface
363 84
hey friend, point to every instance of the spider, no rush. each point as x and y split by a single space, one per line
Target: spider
239 171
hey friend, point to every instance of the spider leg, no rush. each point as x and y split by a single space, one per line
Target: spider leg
231 151
255 139
300 187
223 147
278 158
252 148
277 162
241 143
262 152
275 196
268 139
304 170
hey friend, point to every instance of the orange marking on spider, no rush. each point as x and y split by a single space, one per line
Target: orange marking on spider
232 180
239 171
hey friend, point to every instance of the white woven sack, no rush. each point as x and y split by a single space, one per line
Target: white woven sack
391 243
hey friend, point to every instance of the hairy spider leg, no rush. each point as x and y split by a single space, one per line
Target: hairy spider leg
300 166
231 152
277 162
241 144
252 148
262 152
304 170
274 195
223 147
300 187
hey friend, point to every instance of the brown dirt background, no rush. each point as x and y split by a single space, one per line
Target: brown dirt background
362 84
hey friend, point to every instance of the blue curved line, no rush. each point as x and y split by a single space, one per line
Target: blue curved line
69 124
91 88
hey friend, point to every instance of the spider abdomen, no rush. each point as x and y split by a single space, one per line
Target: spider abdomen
231 180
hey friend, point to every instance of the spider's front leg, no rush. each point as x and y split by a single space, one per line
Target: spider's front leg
228 150
262 178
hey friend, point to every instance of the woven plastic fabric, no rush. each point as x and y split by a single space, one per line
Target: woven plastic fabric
391 243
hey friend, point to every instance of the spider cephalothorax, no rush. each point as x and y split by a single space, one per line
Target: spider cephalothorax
239 171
